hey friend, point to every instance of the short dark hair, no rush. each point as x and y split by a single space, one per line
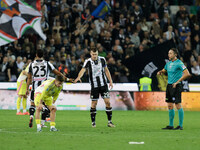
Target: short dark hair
93 50
60 78
39 53
175 50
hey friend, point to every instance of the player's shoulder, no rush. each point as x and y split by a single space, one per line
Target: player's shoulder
100 57
179 62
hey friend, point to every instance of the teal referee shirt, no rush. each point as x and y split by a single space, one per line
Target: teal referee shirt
174 70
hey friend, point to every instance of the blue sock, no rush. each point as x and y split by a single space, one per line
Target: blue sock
181 115
171 117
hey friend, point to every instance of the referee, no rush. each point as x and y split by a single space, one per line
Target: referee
177 72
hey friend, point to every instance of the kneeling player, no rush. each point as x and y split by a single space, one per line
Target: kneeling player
48 93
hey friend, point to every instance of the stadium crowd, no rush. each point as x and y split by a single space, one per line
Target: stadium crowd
131 27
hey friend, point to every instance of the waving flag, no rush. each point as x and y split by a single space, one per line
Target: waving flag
16 16
101 10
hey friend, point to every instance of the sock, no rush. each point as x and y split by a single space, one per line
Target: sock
43 116
18 102
93 114
32 111
38 126
171 117
52 124
37 121
42 122
181 116
109 113
24 103
24 110
18 110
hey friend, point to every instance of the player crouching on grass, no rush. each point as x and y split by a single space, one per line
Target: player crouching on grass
48 93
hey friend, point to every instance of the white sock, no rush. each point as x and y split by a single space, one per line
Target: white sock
38 126
18 110
52 127
42 122
31 116
24 111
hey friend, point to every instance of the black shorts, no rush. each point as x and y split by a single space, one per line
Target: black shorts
173 95
32 96
103 90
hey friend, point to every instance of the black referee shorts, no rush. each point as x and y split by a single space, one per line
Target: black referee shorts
103 90
173 95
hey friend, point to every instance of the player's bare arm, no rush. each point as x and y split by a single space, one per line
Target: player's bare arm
109 77
29 81
81 73
56 72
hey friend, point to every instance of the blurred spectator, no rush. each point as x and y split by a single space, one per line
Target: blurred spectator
4 69
20 64
184 31
170 34
12 69
195 70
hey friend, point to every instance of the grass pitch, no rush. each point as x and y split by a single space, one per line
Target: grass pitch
75 132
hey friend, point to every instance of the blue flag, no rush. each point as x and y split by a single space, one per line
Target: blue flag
101 10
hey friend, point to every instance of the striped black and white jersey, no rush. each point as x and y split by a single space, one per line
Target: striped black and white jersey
40 70
96 71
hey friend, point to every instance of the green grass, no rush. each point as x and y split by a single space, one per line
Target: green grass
76 133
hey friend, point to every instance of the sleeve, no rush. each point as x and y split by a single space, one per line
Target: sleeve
86 64
50 66
182 66
30 69
27 68
103 61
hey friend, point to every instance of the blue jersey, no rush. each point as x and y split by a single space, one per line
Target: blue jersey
174 70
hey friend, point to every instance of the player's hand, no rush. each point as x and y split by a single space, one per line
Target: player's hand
40 106
111 86
174 85
71 80
27 92
76 80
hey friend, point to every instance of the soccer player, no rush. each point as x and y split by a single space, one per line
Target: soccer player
98 71
48 93
21 91
39 71
177 72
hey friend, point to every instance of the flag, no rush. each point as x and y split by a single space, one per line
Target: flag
16 16
101 11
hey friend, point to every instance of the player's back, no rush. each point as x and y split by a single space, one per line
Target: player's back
40 70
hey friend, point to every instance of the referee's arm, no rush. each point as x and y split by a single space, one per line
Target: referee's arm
185 75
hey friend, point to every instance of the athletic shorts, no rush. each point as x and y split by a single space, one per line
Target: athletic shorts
32 96
173 95
103 90
48 100
21 87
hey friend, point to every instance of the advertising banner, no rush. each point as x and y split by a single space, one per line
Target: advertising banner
73 100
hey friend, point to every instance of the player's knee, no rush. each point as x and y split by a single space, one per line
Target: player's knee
107 103
94 104
38 108
170 107
53 109
178 106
